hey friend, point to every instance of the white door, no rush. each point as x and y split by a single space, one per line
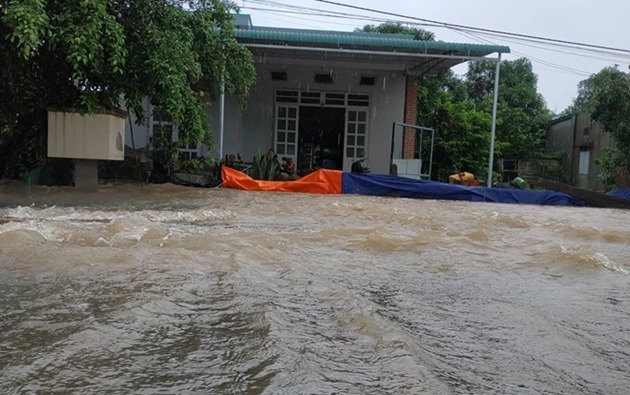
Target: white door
286 137
355 140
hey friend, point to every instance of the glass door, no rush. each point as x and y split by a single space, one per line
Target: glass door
356 136
286 134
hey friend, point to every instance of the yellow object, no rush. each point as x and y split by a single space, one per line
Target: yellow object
461 178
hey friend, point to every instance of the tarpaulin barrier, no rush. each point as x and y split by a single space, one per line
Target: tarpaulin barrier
336 182
320 181
386 185
620 193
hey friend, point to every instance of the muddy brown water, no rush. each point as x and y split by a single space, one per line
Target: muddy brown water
164 289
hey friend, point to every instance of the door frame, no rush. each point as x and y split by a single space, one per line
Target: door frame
347 160
286 130
295 98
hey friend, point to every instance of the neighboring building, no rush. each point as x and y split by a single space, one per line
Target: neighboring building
326 94
584 141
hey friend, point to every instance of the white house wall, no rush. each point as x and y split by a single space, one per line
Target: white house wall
250 130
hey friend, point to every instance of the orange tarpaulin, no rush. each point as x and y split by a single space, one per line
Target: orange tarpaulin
320 181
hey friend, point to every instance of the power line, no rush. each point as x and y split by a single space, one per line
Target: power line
479 29
518 40
566 69
300 10
597 55
320 14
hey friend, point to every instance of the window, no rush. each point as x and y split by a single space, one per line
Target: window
358 100
356 134
335 99
584 162
189 148
323 98
286 131
163 126
287 96
310 97
510 165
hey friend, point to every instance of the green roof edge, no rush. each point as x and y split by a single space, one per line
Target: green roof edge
361 39
562 118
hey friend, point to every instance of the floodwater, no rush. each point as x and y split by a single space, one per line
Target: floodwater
165 289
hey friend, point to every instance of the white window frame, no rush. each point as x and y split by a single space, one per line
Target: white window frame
584 162
185 153
348 159
282 153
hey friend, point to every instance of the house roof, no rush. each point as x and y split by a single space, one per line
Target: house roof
399 51
562 118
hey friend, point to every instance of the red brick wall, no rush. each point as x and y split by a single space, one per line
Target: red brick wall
411 117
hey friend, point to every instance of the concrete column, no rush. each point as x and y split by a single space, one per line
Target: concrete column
411 118
85 173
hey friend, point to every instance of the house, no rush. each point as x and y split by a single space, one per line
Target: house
583 141
325 95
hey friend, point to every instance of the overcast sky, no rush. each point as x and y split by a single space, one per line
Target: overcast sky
601 22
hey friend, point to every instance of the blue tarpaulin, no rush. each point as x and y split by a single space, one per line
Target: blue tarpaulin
620 193
386 185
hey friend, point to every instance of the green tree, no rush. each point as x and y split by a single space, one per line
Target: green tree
606 97
461 111
463 132
397 28
522 114
91 55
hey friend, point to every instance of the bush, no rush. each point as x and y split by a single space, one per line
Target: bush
550 171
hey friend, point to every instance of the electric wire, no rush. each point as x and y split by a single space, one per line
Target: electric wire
566 69
594 53
483 30
519 39
285 12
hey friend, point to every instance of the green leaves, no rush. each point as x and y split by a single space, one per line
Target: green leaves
28 25
606 97
265 167
95 54
462 131
460 111
522 114
397 28
608 102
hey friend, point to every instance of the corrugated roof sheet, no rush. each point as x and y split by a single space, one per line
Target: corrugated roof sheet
361 39
562 118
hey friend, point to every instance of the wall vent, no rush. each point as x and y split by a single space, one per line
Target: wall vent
324 78
367 80
278 76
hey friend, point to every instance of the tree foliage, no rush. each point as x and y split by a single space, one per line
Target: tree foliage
91 55
606 97
397 28
522 114
460 109
463 132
